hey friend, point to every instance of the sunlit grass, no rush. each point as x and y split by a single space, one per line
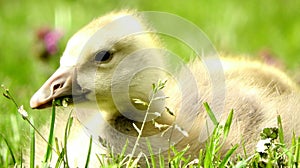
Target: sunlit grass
270 151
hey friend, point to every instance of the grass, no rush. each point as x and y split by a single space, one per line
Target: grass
271 150
234 27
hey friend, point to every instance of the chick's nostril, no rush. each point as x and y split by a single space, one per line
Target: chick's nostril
57 86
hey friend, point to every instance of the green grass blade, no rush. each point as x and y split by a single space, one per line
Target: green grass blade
228 124
146 160
51 133
225 130
244 149
297 152
208 155
60 159
211 114
227 156
32 147
161 160
291 152
122 154
151 154
200 158
280 130
179 156
57 146
67 132
89 153
100 160
10 149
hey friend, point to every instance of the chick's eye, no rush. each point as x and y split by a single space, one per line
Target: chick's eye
103 56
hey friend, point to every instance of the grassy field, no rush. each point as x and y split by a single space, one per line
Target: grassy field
234 27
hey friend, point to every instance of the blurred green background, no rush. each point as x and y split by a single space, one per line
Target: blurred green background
236 27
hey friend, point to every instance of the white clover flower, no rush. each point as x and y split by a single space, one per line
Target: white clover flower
262 145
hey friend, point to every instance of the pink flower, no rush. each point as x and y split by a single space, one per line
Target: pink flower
50 39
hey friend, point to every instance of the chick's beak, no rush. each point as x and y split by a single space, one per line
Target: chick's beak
58 85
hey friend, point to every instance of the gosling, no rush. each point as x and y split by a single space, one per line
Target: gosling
103 70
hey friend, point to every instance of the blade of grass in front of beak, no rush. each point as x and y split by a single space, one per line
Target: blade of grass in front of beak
51 133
